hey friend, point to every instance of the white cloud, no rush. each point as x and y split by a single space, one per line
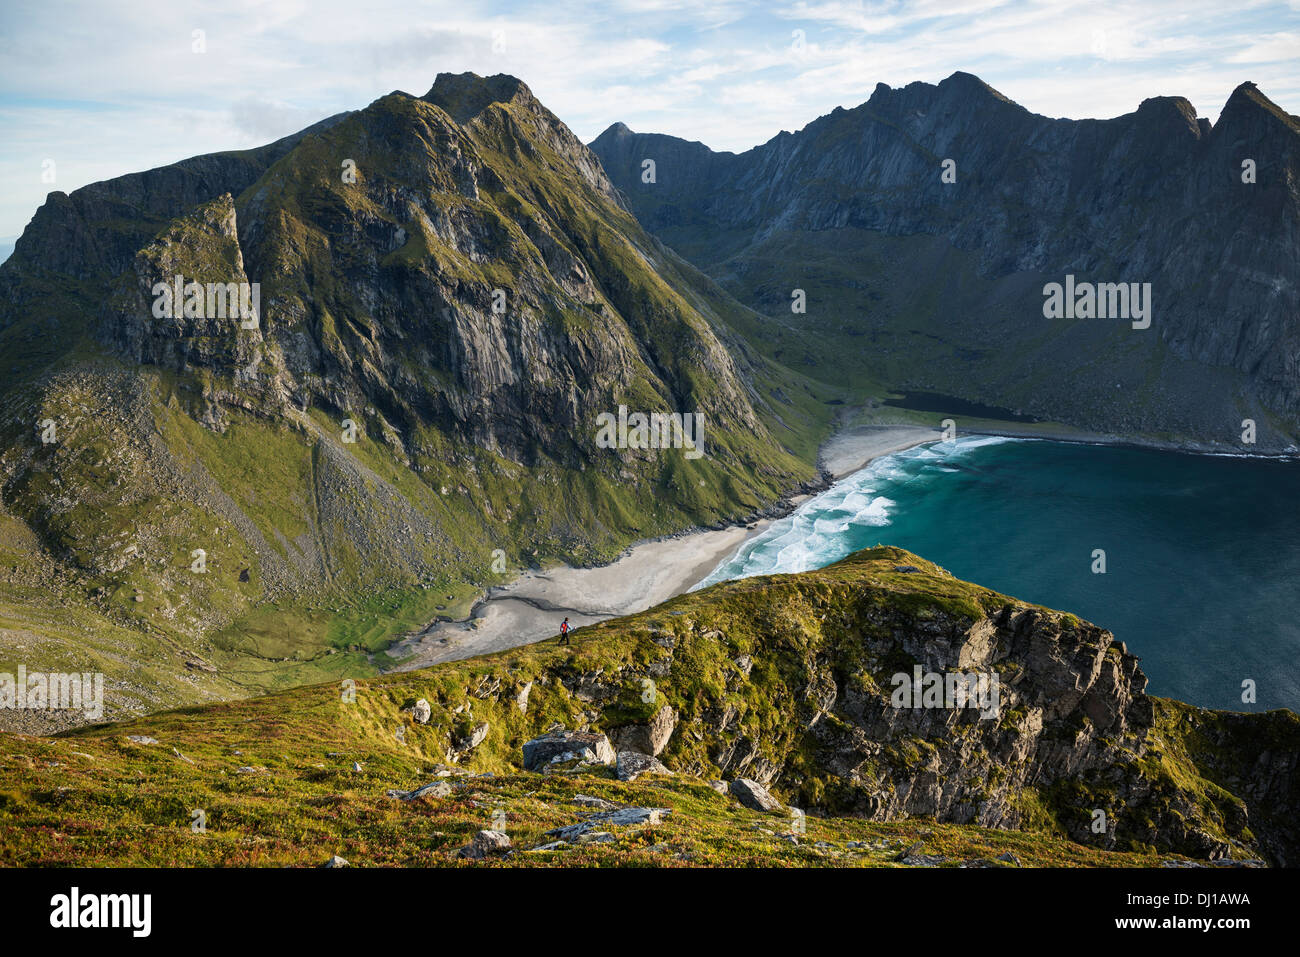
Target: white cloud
113 87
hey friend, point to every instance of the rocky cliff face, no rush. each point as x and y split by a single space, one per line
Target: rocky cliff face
854 209
788 681
449 294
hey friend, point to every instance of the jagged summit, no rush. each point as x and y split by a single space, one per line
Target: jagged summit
1248 103
1153 195
465 95
617 129
1169 113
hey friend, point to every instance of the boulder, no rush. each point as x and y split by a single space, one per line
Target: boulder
557 746
650 738
485 844
421 711
475 737
623 817
632 765
436 789
753 795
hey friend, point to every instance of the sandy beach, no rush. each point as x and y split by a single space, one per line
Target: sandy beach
531 607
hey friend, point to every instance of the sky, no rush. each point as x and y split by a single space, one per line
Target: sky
91 89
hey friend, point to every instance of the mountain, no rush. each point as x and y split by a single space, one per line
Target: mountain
760 696
918 284
444 294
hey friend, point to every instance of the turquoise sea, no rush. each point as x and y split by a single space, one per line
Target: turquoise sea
1202 573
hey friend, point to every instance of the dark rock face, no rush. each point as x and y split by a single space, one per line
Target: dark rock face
1153 196
1067 702
100 227
448 285
429 289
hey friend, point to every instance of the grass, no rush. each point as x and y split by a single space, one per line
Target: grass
94 797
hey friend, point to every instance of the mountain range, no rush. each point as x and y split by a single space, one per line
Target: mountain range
441 300
924 225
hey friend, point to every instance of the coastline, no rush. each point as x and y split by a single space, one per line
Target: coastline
531 607
1124 442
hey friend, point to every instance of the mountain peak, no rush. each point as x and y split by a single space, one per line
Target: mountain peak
971 85
1247 104
465 95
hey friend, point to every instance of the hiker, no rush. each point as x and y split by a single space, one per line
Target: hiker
564 631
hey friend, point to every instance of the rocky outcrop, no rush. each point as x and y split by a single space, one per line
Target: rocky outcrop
632 765
649 738
559 747
486 844
754 796
883 687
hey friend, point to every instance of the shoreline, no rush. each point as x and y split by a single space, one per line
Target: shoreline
530 608
1122 442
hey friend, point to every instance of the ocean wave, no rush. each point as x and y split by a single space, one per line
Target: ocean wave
817 532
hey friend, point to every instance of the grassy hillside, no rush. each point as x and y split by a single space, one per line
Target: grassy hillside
297 777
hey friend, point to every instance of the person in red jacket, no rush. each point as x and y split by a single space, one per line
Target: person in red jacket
564 631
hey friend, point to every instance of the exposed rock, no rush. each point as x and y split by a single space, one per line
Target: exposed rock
485 844
560 746
335 861
754 796
521 698
421 711
650 738
435 789
623 817
632 765
475 737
